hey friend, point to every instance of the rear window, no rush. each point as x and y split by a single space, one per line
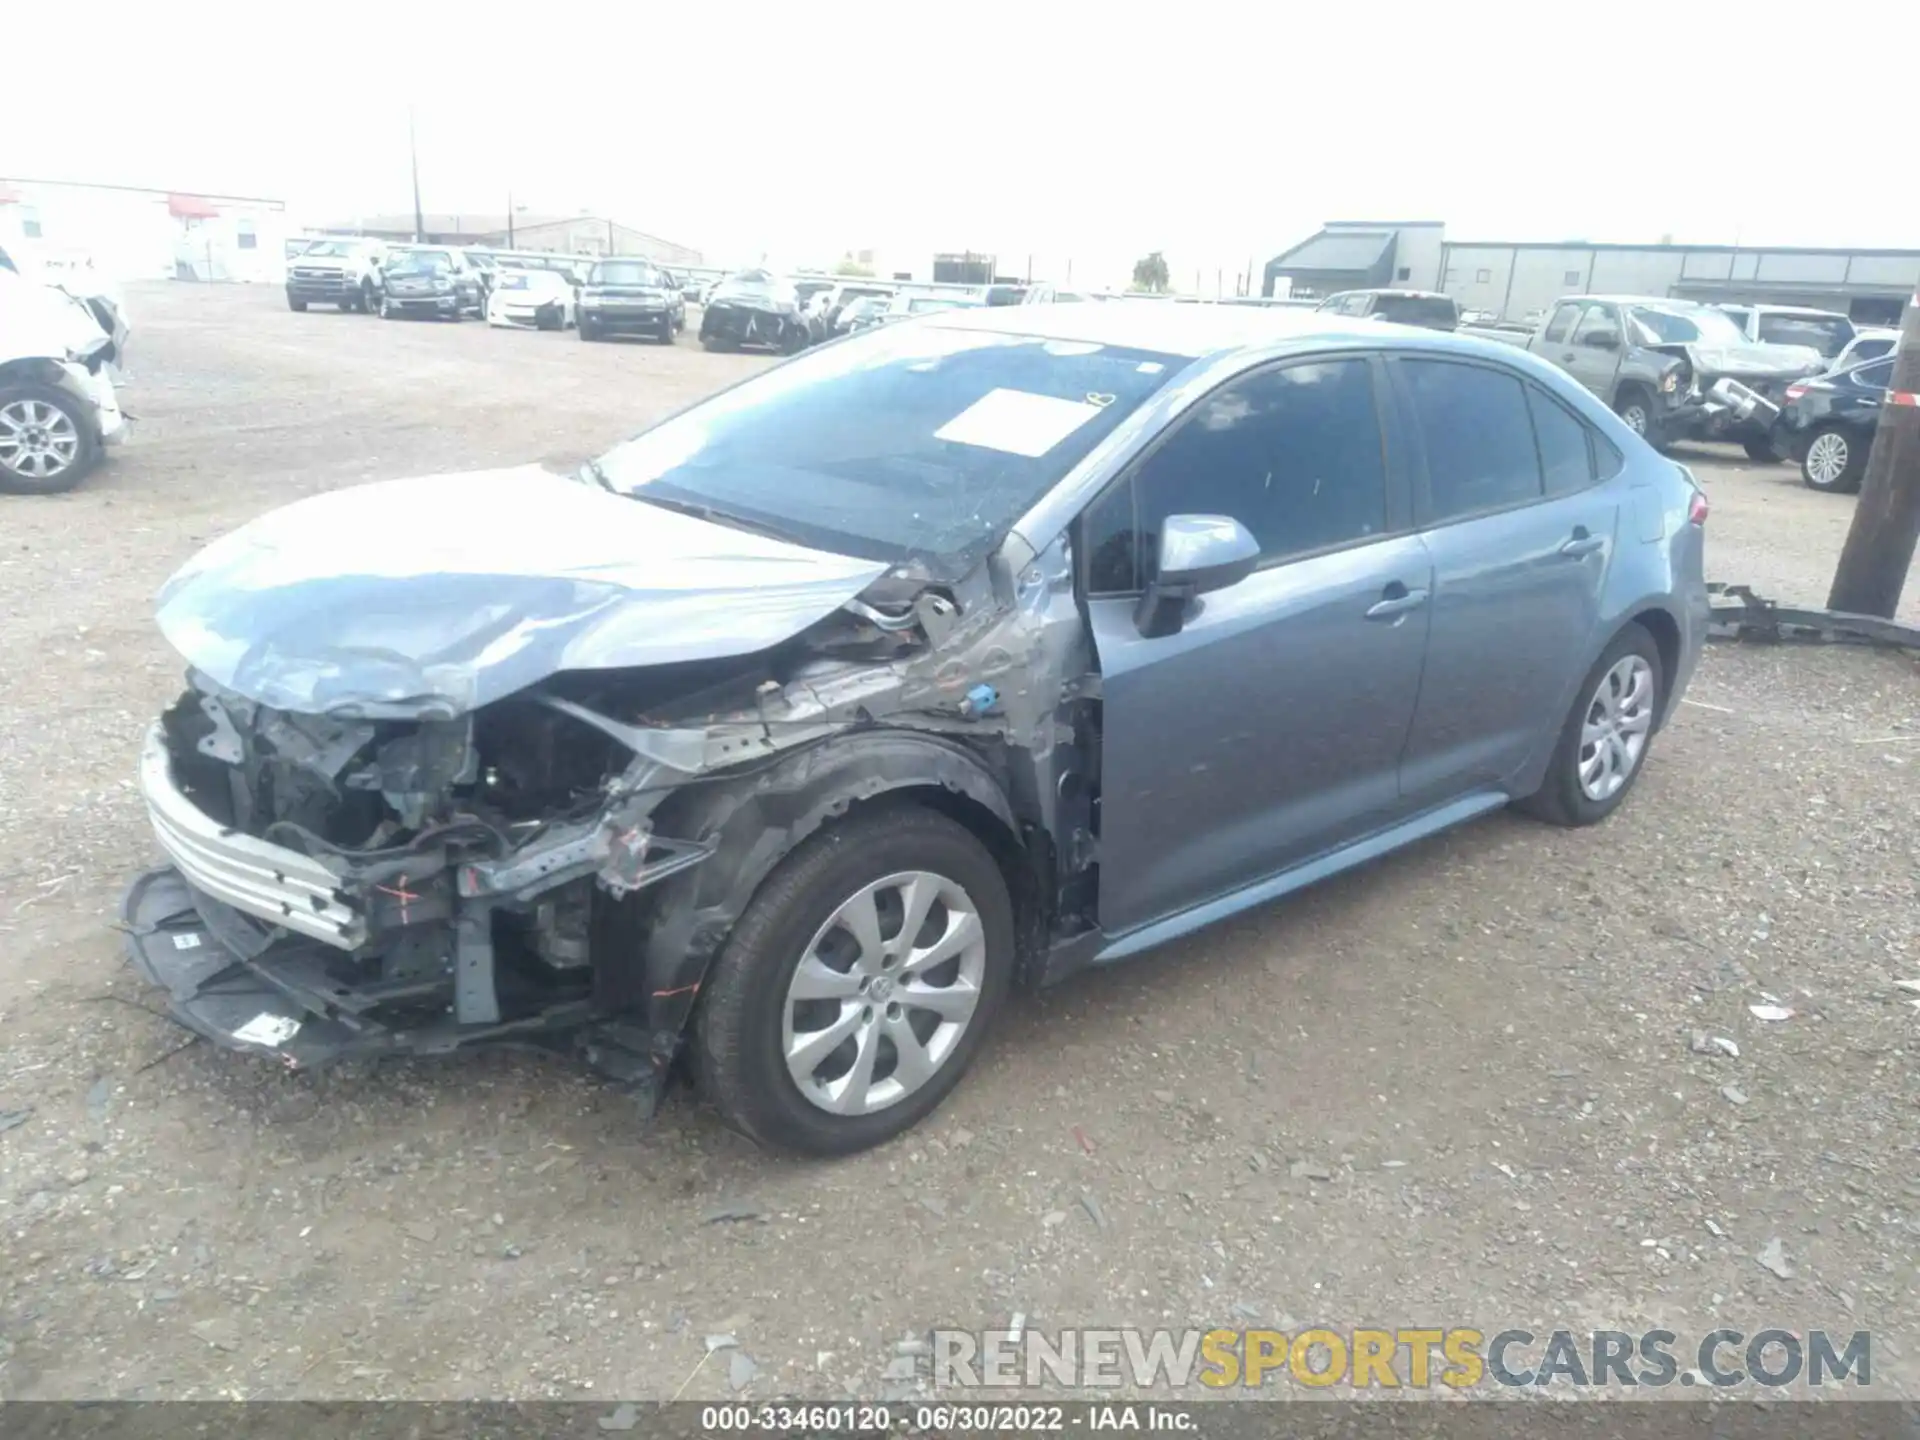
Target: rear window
1826 333
1478 437
1435 312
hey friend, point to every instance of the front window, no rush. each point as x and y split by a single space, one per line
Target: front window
1826 333
905 443
627 272
333 249
1684 327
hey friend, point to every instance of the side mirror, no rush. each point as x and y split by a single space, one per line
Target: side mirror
1602 340
1198 554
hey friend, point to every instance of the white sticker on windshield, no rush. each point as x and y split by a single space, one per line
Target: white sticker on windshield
1017 422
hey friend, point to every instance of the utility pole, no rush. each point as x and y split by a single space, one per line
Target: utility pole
1886 519
510 219
413 157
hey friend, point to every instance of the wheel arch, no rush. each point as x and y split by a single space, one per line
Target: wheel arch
34 370
664 940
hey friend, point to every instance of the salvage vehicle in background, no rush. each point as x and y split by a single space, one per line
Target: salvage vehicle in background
58 409
1671 369
754 308
1423 308
958 655
1825 332
905 306
345 271
434 281
531 299
1869 343
862 314
822 312
1829 423
631 296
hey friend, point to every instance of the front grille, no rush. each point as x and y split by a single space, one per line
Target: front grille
307 276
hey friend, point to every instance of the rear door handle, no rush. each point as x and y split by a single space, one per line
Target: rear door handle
1582 544
1396 600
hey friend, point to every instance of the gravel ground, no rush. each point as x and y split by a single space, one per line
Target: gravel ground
1455 1089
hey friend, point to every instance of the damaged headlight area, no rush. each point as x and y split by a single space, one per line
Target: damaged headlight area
383 884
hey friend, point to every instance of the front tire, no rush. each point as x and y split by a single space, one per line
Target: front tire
1635 406
298 306
1835 462
588 330
828 1025
1760 449
47 440
1603 745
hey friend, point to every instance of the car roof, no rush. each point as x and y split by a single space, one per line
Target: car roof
1666 301
1194 331
1390 290
1791 310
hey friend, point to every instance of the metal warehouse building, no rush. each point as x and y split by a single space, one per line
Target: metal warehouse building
131 233
1518 279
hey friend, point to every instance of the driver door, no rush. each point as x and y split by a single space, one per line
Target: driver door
1268 729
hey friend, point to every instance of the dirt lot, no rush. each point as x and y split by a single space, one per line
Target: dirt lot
1455 1089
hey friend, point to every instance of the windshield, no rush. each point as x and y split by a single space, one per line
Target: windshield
421 262
1433 311
755 285
903 443
627 272
330 247
1826 333
1688 327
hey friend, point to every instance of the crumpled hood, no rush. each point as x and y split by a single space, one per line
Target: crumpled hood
1762 361
442 594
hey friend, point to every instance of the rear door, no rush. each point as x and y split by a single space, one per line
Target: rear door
1269 728
1520 524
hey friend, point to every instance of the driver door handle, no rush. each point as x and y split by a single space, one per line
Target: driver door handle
1396 600
1582 544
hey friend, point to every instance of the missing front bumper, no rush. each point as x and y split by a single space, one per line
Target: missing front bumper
274 994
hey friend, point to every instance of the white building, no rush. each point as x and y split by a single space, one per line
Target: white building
135 234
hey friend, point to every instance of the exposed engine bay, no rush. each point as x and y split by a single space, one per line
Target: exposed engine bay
566 861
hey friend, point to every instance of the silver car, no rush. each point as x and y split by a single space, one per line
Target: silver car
795 732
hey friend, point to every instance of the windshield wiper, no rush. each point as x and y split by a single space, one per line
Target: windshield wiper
597 473
701 511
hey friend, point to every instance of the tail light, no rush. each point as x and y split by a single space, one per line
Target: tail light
1794 392
1697 509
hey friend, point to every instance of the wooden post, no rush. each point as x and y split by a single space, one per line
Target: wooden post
1886 519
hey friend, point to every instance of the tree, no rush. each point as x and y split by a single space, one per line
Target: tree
1151 275
850 266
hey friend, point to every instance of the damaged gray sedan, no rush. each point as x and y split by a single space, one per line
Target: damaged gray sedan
787 737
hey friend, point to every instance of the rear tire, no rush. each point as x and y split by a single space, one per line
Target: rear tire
1610 703
1835 461
742 1031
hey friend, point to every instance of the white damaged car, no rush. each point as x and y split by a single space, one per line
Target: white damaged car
532 300
58 410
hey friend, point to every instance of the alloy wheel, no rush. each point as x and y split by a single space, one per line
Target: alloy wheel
38 441
1636 417
1827 458
1613 734
884 993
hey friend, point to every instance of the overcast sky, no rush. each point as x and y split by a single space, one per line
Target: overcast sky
1216 133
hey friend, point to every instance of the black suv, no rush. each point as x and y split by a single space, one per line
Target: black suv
1829 421
631 295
